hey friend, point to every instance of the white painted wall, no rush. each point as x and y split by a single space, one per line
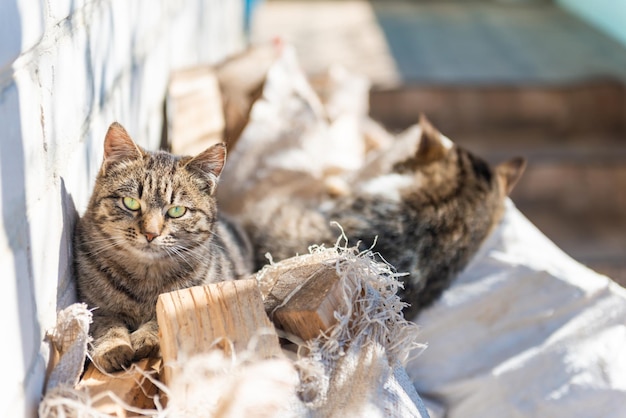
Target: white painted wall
68 68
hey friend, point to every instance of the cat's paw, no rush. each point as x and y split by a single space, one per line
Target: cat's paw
145 342
113 354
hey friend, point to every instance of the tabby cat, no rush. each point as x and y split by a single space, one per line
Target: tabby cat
428 210
151 226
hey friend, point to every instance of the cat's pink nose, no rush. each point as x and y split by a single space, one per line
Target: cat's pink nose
150 236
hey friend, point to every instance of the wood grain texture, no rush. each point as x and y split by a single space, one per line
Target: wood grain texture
302 299
227 316
194 110
131 387
311 310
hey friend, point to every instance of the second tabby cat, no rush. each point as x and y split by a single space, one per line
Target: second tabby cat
151 227
428 206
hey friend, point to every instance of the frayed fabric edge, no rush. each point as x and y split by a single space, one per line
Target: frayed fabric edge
371 314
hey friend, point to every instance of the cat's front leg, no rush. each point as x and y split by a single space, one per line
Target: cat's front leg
145 340
112 349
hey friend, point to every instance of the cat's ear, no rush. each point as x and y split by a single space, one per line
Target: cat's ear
118 146
433 145
208 164
510 172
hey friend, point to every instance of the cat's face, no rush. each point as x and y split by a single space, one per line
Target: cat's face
154 205
424 160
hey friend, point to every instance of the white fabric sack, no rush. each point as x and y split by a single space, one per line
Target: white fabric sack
293 142
525 331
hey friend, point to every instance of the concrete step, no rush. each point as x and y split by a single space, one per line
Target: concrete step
580 205
597 106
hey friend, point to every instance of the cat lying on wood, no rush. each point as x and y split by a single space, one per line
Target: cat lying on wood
151 227
426 203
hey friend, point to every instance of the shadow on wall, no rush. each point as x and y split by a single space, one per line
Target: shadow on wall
12 178
66 286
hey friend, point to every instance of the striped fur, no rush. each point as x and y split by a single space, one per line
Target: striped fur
125 258
428 214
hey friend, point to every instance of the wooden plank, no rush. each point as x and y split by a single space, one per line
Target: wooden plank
226 316
278 285
209 104
194 111
132 388
310 308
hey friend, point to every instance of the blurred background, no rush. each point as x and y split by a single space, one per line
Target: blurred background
537 78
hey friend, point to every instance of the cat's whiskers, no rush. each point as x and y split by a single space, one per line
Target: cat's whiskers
178 252
198 254
106 239
111 242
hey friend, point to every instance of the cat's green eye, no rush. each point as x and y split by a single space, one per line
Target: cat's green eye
176 211
131 204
